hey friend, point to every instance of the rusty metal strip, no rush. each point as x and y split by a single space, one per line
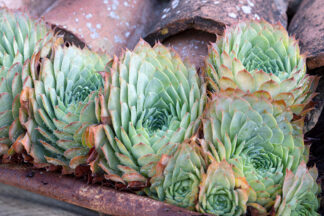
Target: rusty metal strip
77 192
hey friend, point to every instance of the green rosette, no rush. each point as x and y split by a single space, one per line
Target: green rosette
177 178
20 38
58 104
222 191
257 56
299 193
152 101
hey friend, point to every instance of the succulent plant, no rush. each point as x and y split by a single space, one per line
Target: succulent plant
222 191
151 103
137 120
178 177
58 104
259 136
20 38
299 193
258 56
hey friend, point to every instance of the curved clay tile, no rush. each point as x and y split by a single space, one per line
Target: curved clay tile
308 27
213 15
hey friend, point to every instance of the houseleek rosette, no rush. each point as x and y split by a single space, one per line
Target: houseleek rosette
299 193
222 191
259 136
151 103
58 104
20 37
258 56
177 178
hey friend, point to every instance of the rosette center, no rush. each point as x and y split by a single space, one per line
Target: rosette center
220 201
156 119
181 189
83 88
256 59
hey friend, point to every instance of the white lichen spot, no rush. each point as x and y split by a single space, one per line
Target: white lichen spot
256 16
237 7
80 29
163 16
76 20
174 3
127 34
126 4
98 26
250 3
177 12
113 15
105 1
88 16
166 10
115 4
64 26
127 24
216 2
117 39
246 9
233 15
108 8
94 35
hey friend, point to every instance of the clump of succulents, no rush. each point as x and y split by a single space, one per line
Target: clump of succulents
58 104
256 134
257 56
190 180
152 102
20 38
145 120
